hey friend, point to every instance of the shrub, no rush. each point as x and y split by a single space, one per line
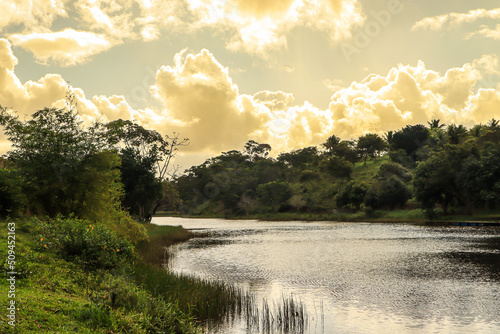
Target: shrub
352 195
393 192
89 244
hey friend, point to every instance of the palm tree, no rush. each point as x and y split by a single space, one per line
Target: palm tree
434 124
389 137
493 123
456 133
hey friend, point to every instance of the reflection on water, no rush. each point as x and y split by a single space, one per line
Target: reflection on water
356 277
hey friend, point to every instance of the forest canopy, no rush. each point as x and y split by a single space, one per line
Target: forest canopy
433 167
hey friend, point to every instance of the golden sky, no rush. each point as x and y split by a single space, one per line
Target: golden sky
286 72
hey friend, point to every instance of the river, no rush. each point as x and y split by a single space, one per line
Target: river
354 277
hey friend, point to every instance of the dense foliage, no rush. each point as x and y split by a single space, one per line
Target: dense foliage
431 166
91 245
102 172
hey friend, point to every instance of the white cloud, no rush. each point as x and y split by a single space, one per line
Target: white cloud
410 95
451 20
263 25
112 18
67 47
254 27
201 102
30 13
486 32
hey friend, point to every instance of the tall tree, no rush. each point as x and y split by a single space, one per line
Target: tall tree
410 139
456 133
256 151
371 145
435 124
438 179
146 161
54 151
301 157
274 194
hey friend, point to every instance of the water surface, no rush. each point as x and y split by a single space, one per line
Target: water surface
355 277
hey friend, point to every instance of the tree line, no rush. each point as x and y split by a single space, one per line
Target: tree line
117 170
434 167
107 172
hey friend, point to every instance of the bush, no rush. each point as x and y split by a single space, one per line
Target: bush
389 193
393 192
352 195
88 244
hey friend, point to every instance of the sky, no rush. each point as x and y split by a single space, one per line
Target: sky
289 73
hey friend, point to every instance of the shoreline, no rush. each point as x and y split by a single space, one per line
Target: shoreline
460 221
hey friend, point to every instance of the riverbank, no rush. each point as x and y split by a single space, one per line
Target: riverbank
395 216
54 293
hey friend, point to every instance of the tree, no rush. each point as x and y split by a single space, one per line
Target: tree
274 194
456 133
393 192
12 199
298 202
54 152
147 144
146 161
389 169
331 143
143 190
387 193
256 151
309 176
171 200
410 139
341 148
337 167
301 157
480 178
434 124
437 180
371 145
247 203
493 123
351 196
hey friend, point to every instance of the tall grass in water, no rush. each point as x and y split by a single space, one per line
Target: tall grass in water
212 303
286 316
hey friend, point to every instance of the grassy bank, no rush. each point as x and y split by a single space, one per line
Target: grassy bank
54 295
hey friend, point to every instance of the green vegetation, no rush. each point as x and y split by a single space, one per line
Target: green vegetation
423 172
73 191
84 264
84 283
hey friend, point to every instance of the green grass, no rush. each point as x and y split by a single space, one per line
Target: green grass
364 173
56 296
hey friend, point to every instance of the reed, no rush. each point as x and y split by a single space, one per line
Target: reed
212 303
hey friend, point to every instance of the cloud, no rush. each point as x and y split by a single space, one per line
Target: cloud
255 27
483 106
203 103
30 13
200 100
67 47
112 18
411 95
274 100
452 20
261 25
486 32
